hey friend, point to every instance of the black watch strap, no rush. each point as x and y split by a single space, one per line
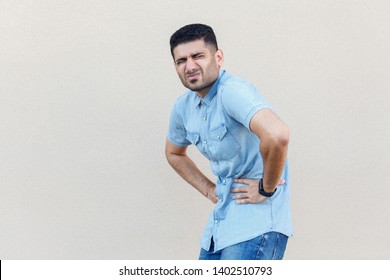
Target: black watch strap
264 193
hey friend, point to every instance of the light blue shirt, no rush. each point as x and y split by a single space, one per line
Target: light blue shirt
218 125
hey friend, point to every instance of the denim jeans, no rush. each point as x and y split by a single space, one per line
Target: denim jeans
268 246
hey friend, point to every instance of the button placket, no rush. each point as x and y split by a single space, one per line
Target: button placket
204 117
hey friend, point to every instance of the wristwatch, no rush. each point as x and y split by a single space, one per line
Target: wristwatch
263 192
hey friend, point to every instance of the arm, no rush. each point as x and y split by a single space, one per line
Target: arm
186 168
274 137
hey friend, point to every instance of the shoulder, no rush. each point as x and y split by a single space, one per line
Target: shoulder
234 88
184 97
235 85
184 100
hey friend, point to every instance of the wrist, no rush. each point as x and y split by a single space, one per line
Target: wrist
209 191
263 191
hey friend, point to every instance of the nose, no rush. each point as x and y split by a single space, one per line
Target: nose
190 65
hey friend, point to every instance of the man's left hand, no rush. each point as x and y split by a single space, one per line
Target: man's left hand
249 193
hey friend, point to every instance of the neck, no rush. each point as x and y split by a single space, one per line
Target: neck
202 93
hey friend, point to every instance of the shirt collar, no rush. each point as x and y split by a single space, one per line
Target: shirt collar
211 93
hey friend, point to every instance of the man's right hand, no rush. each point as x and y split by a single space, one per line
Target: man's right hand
186 168
211 194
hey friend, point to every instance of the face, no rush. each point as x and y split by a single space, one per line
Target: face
197 65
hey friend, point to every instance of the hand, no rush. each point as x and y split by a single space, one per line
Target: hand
250 193
212 195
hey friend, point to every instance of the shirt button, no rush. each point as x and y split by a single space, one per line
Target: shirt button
219 137
220 200
216 162
224 182
216 221
205 142
204 118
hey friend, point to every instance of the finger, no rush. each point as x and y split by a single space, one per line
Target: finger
240 196
282 181
239 190
242 180
243 201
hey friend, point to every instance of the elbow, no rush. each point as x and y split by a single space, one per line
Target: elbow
284 137
280 138
172 158
174 153
169 157
171 161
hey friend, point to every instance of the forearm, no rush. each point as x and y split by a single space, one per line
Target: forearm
274 154
187 169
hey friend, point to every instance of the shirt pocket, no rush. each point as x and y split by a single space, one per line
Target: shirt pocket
223 145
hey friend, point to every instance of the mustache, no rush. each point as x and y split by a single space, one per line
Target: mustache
187 74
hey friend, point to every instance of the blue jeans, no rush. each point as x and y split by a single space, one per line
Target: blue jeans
268 246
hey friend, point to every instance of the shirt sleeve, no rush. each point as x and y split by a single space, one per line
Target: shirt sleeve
241 100
176 131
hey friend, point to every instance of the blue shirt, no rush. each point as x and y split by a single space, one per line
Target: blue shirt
218 125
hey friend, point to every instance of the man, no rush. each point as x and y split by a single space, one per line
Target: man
234 127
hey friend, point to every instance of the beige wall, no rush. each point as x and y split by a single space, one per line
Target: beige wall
86 89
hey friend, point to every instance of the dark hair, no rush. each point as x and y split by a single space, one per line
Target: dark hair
192 32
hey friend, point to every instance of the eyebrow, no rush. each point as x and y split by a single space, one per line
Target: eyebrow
196 54
184 58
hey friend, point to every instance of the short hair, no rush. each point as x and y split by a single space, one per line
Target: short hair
192 32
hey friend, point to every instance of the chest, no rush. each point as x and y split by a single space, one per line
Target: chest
216 134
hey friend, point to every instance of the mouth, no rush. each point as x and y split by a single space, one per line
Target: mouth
192 76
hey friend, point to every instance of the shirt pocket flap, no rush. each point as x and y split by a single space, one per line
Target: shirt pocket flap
193 137
219 132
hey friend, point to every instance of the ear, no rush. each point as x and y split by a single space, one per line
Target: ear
219 57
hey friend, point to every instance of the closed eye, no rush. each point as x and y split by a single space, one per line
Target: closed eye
197 55
180 60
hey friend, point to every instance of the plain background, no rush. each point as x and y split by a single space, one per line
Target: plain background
86 88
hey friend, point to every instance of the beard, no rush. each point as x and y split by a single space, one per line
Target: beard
198 84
